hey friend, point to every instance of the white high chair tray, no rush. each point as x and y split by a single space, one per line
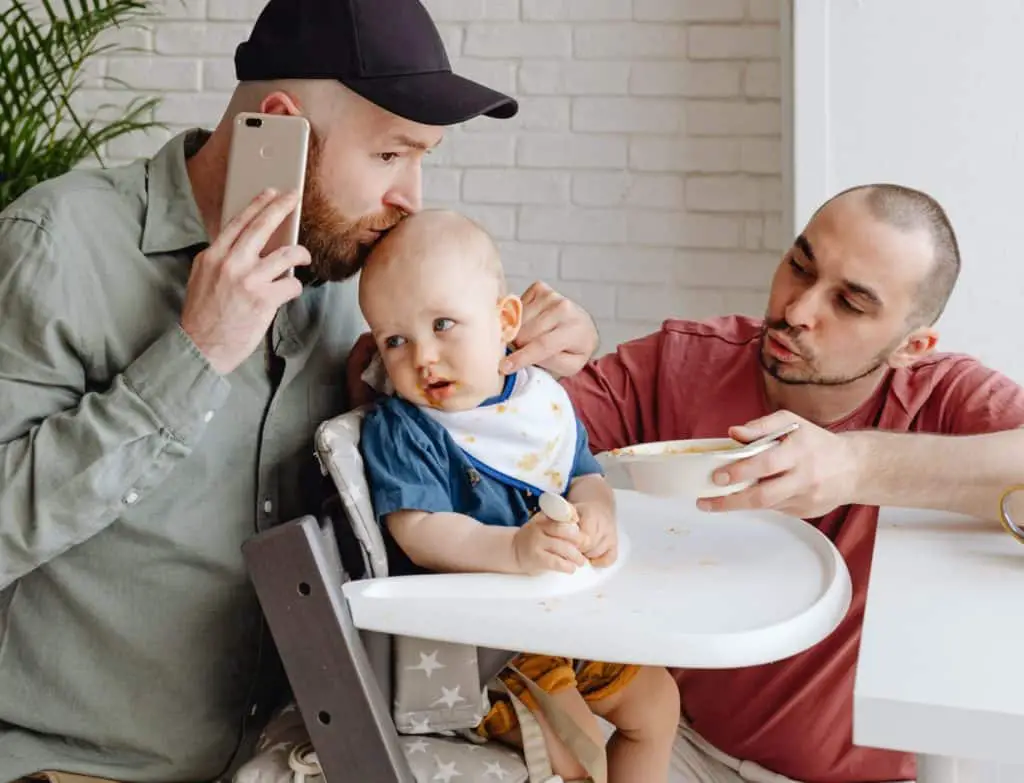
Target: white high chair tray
690 589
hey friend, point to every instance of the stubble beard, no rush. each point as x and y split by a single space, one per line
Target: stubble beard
809 375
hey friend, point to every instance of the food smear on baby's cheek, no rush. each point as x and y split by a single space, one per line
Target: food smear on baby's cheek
435 395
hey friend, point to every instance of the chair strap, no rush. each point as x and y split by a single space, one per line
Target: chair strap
535 752
590 755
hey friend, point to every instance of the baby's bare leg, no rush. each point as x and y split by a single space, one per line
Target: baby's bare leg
645 714
563 762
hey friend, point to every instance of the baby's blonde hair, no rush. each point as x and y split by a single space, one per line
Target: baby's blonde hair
428 235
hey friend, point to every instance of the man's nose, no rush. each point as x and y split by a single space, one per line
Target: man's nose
407 193
803 310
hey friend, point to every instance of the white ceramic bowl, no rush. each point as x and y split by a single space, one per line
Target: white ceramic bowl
677 468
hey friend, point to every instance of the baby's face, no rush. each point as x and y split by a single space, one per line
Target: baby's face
442 327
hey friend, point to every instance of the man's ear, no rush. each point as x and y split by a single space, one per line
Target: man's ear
279 102
915 346
510 311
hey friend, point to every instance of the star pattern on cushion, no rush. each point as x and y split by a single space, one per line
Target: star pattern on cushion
428 664
446 771
449 697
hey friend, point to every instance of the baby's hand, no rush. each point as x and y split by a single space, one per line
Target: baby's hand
545 545
601 539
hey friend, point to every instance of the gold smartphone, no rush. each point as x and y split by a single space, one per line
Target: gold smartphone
267 151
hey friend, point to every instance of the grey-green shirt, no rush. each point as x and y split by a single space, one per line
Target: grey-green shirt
130 475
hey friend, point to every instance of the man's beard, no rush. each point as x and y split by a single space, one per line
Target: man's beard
333 240
809 375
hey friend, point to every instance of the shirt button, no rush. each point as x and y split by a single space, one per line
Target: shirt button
131 498
267 506
208 416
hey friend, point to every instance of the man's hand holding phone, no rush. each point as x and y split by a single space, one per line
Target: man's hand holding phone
234 291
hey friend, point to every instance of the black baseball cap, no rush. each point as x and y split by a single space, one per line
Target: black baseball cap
388 51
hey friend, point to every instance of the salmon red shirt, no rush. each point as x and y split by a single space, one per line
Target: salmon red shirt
695 380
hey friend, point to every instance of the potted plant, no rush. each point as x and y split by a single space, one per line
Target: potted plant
43 51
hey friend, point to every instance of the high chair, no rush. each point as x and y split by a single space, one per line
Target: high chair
389 674
366 716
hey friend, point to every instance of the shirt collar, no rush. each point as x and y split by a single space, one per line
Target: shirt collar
173 221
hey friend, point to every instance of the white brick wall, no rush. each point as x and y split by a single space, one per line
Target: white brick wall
643 175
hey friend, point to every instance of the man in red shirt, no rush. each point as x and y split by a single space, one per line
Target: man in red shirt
847 348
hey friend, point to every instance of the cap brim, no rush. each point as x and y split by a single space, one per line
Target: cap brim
437 98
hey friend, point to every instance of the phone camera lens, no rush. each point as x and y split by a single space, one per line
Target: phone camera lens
254 122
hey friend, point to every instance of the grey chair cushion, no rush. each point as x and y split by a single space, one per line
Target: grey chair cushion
448 695
337 449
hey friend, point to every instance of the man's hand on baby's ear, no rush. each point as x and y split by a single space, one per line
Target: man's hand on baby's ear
556 334
359 359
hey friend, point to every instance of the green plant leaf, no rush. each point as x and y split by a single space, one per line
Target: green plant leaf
44 48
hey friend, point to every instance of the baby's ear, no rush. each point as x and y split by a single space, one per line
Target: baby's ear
510 311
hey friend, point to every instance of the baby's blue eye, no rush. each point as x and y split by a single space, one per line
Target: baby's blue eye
394 341
443 324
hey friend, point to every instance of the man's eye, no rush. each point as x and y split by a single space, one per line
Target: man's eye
394 342
387 157
849 306
443 324
797 269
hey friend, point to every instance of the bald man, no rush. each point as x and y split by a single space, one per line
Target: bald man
161 380
847 349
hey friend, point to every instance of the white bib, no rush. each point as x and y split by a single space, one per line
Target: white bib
527 440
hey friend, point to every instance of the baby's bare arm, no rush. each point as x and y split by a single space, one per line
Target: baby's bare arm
446 542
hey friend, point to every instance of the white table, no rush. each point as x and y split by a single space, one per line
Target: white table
689 589
940 671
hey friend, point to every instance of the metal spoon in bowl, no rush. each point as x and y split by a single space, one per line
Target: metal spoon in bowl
753 445
732 452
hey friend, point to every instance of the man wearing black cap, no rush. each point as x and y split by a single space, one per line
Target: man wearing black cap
160 383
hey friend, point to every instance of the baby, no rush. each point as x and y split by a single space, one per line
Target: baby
458 455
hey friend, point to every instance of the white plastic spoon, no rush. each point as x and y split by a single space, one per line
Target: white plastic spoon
558 508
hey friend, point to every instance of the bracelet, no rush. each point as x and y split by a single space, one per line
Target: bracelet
1009 525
